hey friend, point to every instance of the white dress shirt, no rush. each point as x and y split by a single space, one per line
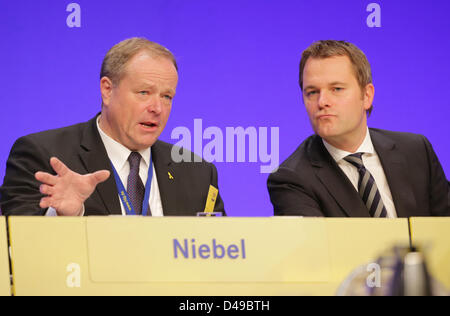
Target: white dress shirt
372 163
118 155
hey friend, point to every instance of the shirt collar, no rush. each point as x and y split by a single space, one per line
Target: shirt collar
118 153
338 154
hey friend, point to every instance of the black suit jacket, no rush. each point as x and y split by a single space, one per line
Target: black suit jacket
448 192
80 147
310 183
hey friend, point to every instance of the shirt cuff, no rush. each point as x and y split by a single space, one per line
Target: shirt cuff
52 212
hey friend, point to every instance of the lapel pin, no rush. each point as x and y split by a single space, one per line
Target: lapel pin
170 176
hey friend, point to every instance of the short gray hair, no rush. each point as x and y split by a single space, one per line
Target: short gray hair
118 56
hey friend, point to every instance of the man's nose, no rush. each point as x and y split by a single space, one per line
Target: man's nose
324 99
155 104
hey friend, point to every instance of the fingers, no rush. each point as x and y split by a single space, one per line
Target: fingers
45 178
45 202
99 176
46 189
60 168
67 180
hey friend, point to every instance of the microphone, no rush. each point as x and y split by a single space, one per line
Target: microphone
401 271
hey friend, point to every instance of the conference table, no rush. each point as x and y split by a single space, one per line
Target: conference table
433 236
203 256
5 284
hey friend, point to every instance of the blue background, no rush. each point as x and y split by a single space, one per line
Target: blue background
238 66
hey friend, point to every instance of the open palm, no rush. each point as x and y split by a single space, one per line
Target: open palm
67 191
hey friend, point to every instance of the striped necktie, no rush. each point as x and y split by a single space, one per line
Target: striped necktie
367 187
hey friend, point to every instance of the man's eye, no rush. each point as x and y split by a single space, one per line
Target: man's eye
337 89
143 92
310 93
168 97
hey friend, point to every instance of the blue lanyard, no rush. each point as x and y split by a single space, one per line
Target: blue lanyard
124 195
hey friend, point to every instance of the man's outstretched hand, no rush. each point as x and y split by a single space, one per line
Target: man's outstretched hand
67 191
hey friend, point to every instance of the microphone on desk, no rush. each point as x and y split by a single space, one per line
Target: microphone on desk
416 279
411 276
402 271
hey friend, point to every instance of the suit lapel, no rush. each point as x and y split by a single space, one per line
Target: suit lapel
167 177
394 166
94 157
335 180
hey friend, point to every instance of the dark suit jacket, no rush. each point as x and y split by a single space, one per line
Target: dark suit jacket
310 183
80 147
448 192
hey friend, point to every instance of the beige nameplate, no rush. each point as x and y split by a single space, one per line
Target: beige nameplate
192 256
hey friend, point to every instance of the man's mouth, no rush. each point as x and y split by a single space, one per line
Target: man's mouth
149 124
322 116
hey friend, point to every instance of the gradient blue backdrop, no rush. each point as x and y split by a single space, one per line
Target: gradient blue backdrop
238 65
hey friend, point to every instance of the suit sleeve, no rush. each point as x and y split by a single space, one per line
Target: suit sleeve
290 197
448 195
20 193
439 186
219 207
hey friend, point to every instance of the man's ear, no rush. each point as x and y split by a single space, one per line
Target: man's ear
106 87
368 95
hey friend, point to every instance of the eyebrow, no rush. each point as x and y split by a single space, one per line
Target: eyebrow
147 85
337 83
309 87
334 83
170 91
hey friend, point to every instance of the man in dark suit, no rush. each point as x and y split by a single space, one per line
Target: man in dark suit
347 169
69 171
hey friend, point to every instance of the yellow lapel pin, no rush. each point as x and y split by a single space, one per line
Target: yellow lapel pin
170 176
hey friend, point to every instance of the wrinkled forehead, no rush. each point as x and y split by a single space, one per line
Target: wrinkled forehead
145 67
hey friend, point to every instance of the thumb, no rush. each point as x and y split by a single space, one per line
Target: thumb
100 176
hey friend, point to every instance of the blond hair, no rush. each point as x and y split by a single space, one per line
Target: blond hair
331 48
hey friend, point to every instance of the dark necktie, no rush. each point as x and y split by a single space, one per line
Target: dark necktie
135 187
367 187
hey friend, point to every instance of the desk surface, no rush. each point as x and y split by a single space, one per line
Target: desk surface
5 283
432 235
194 256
